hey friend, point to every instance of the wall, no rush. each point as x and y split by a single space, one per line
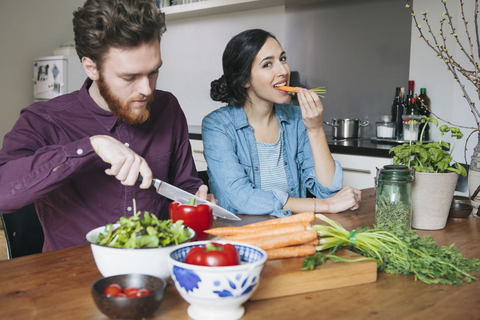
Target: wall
192 54
360 66
29 29
431 73
350 55
359 50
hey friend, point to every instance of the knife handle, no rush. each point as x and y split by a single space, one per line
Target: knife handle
140 178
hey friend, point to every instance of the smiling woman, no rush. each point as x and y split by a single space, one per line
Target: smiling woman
264 154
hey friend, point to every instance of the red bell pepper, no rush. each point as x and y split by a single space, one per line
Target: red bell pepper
198 217
213 255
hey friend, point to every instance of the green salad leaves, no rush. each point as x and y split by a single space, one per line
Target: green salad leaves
146 232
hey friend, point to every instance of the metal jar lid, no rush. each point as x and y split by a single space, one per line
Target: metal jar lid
396 173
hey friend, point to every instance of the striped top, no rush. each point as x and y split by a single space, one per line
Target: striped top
272 168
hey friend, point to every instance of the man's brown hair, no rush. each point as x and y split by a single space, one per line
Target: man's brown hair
102 24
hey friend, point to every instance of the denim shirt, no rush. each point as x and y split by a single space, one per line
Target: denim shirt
233 167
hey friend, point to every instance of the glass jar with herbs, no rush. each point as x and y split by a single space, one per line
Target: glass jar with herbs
393 203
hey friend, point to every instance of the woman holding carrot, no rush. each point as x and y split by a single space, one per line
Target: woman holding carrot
263 154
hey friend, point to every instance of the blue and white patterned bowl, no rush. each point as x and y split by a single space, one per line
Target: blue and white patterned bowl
217 292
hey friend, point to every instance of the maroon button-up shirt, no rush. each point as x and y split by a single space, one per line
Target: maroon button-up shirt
47 158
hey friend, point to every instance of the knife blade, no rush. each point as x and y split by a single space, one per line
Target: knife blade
171 192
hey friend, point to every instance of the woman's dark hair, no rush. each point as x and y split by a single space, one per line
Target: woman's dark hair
102 24
237 63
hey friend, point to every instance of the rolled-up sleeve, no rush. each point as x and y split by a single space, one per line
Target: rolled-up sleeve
321 191
27 164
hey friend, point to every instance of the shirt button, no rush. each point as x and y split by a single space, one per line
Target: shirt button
79 151
285 162
285 213
127 144
291 189
129 208
256 168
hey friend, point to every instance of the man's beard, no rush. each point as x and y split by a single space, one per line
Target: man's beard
121 109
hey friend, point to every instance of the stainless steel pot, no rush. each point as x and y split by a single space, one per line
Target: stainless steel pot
346 128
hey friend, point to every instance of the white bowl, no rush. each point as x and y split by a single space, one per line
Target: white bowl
217 292
116 261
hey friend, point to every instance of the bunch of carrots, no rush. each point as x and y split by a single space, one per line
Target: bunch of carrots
286 237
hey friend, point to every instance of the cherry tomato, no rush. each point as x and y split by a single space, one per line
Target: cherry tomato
213 255
131 291
143 293
116 291
112 290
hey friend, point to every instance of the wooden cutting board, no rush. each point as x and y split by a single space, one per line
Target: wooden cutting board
281 278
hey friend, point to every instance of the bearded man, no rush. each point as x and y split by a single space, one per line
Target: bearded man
78 156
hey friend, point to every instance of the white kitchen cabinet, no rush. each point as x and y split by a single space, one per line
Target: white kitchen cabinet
197 151
212 7
359 171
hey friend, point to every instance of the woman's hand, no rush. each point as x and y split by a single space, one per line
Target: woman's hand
202 192
346 199
312 117
312 109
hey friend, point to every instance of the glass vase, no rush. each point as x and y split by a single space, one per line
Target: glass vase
474 175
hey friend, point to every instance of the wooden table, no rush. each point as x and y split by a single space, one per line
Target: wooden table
56 285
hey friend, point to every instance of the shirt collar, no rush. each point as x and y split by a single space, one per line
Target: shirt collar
106 118
240 117
280 113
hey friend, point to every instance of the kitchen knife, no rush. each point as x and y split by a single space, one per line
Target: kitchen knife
171 192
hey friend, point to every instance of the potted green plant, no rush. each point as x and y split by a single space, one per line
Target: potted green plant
457 45
436 175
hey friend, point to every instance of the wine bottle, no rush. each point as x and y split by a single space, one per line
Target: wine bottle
412 108
403 99
397 112
411 93
423 104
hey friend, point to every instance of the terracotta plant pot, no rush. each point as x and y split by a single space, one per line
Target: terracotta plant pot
432 195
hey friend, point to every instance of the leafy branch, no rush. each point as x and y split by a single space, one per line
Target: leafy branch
442 51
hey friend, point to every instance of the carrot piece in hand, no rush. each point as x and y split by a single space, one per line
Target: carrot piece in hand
290 252
299 217
289 89
318 91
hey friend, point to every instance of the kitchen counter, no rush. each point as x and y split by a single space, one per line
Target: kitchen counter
360 147
56 285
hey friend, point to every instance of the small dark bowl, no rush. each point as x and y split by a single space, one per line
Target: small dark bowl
460 208
129 308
